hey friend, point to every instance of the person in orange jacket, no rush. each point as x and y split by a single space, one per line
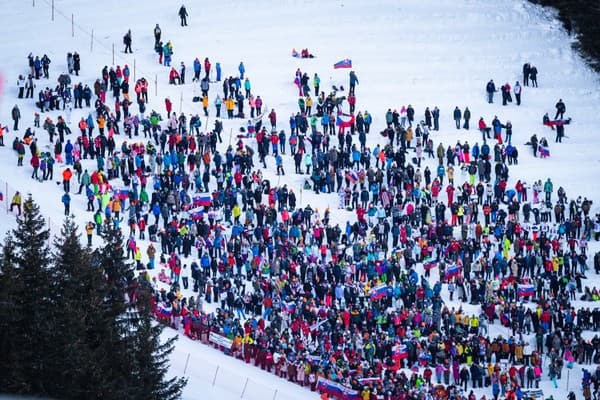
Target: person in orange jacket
205 105
67 175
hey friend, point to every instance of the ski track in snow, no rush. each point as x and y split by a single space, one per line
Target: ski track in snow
426 53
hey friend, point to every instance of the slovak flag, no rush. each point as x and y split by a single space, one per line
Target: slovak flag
453 270
196 213
352 176
379 292
429 265
399 351
336 389
345 63
525 290
122 194
202 200
288 307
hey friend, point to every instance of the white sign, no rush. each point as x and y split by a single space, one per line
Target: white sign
220 340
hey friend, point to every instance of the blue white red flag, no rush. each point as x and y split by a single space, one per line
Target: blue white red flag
196 213
202 200
400 351
336 389
429 265
345 63
453 270
122 193
289 306
352 176
525 290
379 291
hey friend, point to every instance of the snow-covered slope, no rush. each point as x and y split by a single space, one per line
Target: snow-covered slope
426 53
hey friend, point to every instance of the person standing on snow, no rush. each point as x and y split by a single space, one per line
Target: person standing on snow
457 115
157 33
533 76
526 71
467 117
490 89
16 116
517 90
127 41
242 69
16 202
183 15
66 200
560 109
353 81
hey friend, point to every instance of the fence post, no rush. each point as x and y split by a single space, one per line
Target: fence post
6 195
52 10
92 42
156 85
113 53
180 102
33 3
134 69
72 25
186 363
244 390
275 394
215 378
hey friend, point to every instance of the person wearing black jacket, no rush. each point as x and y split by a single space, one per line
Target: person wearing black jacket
76 63
183 15
526 72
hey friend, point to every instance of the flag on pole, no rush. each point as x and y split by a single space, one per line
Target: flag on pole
345 63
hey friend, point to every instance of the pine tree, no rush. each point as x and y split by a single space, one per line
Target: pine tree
151 363
116 332
26 313
78 292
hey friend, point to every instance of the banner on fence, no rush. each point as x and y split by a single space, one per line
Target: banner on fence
336 389
220 340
